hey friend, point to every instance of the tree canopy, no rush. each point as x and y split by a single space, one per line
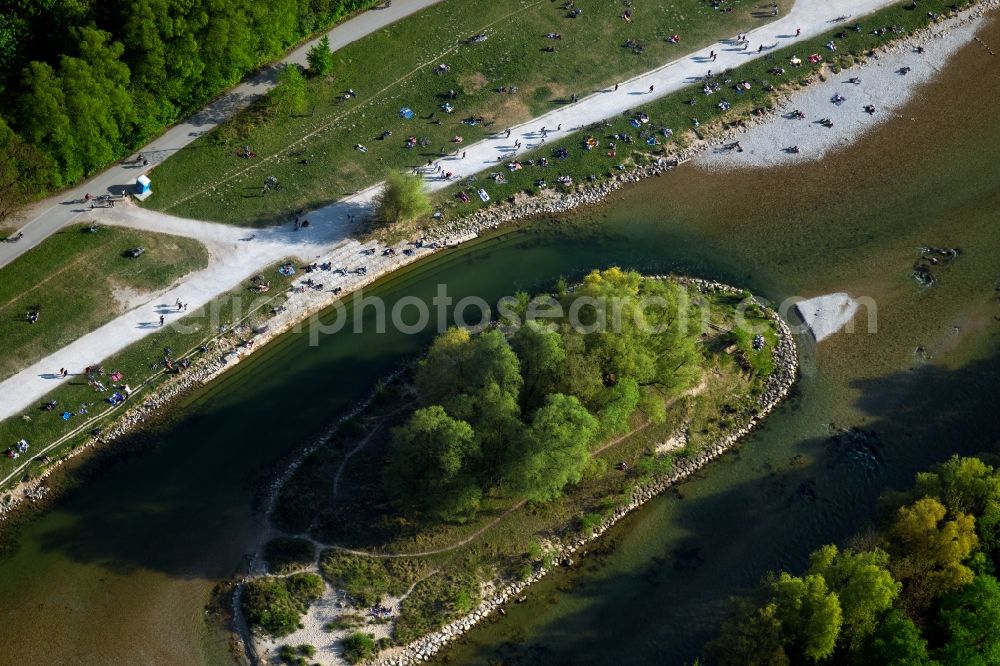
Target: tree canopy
431 463
537 398
971 618
810 613
928 598
86 82
401 200
863 584
930 549
555 448
320 58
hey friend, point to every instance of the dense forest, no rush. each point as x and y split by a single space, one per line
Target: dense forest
920 590
522 412
83 82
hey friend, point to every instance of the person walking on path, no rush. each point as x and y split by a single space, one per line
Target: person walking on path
161 320
616 87
650 88
711 54
798 31
463 154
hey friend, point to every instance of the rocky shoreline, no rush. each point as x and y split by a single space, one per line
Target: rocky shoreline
499 594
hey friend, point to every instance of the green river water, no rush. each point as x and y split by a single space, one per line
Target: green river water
120 569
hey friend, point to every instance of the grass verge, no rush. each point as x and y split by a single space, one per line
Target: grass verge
78 281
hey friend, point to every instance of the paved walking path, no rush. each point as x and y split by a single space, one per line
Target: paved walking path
48 216
234 260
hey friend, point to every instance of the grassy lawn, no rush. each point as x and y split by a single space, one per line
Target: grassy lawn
674 112
78 281
445 585
141 364
396 68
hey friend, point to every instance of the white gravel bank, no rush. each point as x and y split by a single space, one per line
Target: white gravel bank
825 315
882 84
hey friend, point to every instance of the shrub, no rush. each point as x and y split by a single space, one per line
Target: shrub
269 606
296 655
590 522
276 604
358 647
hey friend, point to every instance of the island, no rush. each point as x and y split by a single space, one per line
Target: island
503 453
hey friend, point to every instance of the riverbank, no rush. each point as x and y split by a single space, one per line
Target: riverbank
855 100
764 134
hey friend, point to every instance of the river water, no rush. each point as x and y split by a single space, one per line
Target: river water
120 569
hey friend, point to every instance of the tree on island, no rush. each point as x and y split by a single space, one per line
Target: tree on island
864 585
320 58
535 402
401 200
358 647
542 357
971 619
810 613
929 549
478 380
897 642
431 463
850 609
555 448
